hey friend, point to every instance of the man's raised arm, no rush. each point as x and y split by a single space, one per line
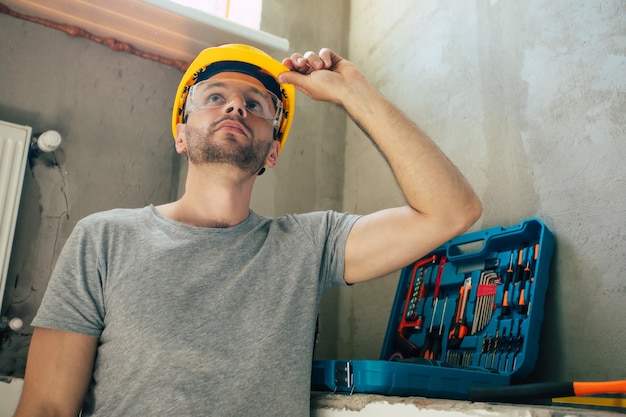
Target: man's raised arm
441 203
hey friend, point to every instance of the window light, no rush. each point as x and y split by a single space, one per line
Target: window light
245 12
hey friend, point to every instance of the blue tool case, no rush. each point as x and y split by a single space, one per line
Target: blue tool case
467 315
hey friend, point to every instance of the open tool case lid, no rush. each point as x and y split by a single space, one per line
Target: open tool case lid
469 314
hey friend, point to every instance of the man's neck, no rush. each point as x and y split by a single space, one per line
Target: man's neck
212 198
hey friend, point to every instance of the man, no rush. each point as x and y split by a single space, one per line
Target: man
202 307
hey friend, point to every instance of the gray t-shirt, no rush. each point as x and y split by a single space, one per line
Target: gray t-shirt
197 321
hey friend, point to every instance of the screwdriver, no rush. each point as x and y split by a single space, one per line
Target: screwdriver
432 347
518 275
532 278
506 310
459 329
522 307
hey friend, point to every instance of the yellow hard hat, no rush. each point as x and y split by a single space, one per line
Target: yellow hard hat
244 59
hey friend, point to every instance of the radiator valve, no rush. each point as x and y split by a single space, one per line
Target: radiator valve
48 141
14 324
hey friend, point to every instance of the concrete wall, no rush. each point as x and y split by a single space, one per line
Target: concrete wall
529 100
113 110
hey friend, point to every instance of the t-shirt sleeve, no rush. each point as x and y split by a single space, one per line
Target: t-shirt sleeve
329 231
74 298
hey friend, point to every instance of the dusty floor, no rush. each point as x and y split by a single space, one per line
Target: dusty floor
328 404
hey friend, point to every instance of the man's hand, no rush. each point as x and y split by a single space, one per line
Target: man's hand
325 76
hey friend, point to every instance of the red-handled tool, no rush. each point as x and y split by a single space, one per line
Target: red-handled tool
532 279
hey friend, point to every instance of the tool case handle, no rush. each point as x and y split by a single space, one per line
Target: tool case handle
477 245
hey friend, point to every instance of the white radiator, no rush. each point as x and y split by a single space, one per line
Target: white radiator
14 144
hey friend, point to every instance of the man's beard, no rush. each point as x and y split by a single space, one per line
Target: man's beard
202 149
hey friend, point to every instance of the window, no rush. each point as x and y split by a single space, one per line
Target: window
244 12
215 22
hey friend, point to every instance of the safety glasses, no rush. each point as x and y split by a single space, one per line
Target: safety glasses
210 94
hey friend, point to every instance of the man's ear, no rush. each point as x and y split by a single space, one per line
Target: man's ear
272 156
181 138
